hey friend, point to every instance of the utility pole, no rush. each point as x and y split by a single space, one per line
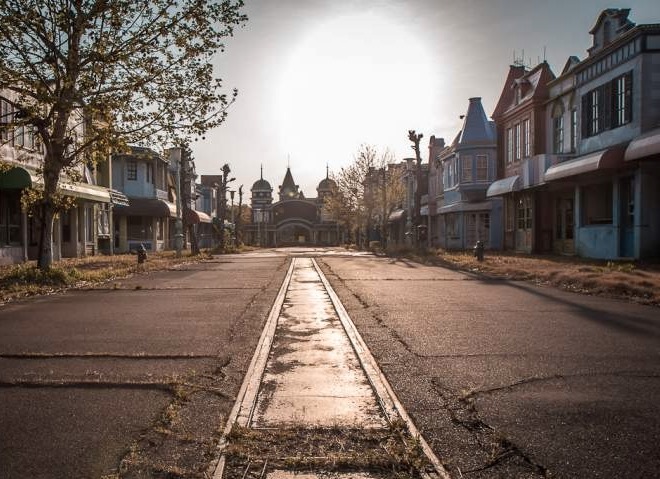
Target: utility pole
233 221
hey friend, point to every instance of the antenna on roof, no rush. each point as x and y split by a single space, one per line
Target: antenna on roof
519 61
327 171
262 171
544 58
288 160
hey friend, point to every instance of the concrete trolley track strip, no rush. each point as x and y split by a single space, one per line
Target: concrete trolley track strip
244 411
384 391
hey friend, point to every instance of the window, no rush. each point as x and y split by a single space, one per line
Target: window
524 212
139 228
518 151
150 173
482 167
596 120
10 219
466 169
451 225
597 204
131 170
573 130
608 106
622 96
527 139
19 136
6 117
509 145
558 134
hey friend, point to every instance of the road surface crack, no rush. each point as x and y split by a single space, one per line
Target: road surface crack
463 412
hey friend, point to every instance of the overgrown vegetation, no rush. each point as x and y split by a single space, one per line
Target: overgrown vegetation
387 453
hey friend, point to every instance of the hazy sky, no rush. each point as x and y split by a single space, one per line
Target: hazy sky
317 78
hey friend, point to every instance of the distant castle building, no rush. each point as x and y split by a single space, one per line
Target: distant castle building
293 219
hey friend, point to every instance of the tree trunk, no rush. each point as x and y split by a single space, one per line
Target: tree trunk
45 258
194 244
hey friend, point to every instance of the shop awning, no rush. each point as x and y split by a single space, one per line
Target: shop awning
396 215
86 191
646 145
462 206
504 186
147 207
118 198
605 159
17 178
194 216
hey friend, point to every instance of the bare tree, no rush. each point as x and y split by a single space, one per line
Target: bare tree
359 198
417 203
128 71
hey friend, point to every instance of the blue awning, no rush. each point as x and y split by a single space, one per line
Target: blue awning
604 159
504 186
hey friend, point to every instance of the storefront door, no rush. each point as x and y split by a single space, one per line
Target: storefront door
564 225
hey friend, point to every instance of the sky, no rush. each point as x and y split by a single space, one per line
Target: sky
319 78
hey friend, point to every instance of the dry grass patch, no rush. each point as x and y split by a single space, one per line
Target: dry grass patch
23 280
390 453
634 281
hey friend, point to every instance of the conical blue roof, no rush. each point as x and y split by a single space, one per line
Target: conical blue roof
477 129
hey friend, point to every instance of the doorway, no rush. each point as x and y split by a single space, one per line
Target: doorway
564 225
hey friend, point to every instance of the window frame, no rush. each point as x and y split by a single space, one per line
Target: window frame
481 166
131 170
467 175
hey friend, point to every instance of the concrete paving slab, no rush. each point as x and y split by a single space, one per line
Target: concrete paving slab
313 376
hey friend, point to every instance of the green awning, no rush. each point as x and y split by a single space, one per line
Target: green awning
17 178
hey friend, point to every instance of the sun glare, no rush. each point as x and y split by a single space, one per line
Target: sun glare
354 79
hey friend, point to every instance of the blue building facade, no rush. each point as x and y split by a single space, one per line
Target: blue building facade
467 167
609 182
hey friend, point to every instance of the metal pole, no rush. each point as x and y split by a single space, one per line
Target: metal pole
233 225
175 156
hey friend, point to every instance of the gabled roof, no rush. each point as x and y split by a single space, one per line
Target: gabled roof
506 97
531 84
618 14
570 64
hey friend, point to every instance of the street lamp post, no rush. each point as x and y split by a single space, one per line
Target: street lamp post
233 224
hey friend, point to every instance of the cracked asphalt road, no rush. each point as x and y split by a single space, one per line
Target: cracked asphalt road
506 379
133 377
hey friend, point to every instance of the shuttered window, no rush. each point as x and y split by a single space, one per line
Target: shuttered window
607 106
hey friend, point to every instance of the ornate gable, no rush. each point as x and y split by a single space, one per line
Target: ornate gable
611 23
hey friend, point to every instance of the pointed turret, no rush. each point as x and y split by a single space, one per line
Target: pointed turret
288 189
476 127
